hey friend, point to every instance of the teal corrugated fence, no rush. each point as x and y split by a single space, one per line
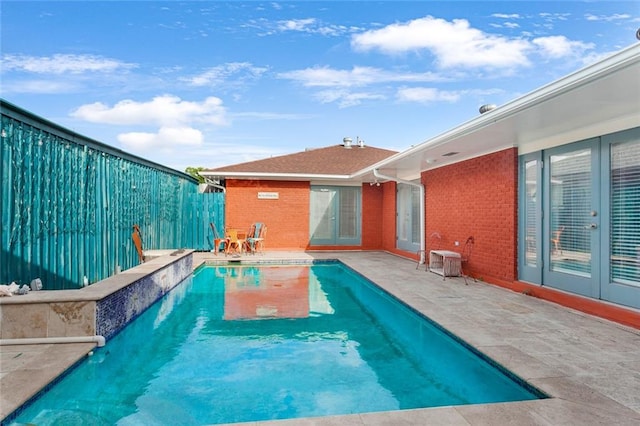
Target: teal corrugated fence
69 204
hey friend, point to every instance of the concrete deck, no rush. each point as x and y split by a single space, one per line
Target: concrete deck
589 366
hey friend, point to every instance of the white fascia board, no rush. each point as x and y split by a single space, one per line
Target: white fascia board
287 176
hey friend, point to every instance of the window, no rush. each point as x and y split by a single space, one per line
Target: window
625 213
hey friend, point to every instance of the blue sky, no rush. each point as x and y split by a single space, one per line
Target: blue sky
213 83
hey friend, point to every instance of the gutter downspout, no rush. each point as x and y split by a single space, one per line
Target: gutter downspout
377 174
215 185
99 340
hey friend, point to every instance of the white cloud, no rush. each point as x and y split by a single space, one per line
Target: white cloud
230 73
345 98
165 110
426 95
506 15
593 57
356 77
556 47
303 25
607 18
296 24
166 139
38 86
63 64
454 44
263 116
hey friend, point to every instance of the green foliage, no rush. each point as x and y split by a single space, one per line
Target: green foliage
195 172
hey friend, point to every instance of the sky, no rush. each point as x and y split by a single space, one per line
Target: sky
215 83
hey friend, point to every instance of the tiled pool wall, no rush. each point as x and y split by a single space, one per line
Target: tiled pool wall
99 309
118 309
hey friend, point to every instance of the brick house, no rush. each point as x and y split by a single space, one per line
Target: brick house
548 184
309 200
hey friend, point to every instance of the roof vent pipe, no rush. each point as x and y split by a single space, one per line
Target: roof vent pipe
347 142
487 108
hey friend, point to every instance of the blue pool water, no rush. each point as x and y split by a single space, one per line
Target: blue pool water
240 343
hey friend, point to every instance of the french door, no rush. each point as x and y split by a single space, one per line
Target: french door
335 215
579 222
571 225
408 217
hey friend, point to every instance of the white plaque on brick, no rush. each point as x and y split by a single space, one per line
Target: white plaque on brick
268 195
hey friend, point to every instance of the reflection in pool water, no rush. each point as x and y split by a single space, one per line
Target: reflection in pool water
239 343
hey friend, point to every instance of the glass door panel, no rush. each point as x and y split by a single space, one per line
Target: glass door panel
571 224
408 214
530 241
322 220
530 213
625 213
621 271
569 236
349 213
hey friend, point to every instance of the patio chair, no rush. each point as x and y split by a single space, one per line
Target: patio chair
466 257
235 241
255 237
136 236
434 244
217 240
257 243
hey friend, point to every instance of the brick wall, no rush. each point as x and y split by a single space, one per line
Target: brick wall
477 197
287 218
372 214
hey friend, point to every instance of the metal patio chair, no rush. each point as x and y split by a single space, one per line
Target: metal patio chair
466 257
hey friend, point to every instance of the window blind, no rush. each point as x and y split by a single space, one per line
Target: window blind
625 213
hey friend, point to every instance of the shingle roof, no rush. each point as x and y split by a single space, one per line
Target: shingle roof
332 160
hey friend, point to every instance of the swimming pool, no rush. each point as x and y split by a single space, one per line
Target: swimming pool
241 343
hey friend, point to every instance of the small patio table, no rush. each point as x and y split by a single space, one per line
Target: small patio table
446 263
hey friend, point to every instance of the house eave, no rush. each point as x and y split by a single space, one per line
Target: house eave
273 176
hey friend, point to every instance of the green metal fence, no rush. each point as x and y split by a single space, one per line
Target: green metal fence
69 204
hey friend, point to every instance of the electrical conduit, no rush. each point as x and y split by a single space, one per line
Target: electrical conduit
99 340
